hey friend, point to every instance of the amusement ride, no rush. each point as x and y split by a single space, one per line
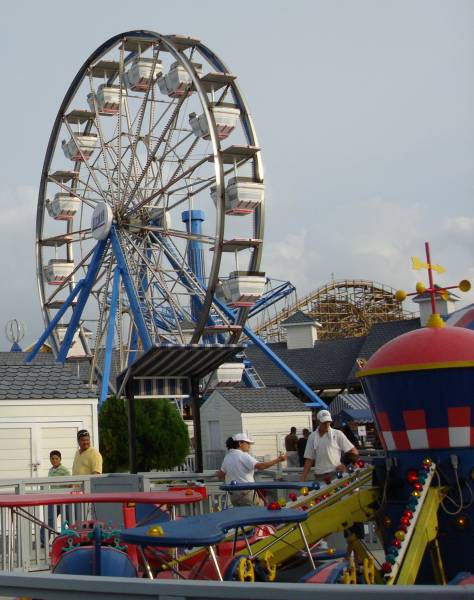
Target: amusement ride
150 227
150 212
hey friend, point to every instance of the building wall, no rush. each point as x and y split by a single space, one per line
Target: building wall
300 336
225 418
30 429
268 430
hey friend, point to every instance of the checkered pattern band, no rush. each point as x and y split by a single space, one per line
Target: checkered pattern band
417 435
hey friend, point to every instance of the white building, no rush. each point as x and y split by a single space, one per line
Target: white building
42 407
265 414
301 331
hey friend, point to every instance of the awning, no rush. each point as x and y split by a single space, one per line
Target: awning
361 415
192 360
350 401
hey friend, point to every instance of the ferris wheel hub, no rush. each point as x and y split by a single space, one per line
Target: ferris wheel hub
101 222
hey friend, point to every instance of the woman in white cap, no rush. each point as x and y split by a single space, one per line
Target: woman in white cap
239 466
325 448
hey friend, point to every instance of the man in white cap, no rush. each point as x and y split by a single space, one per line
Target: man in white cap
239 466
325 448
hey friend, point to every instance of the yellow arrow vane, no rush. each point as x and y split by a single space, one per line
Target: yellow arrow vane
418 264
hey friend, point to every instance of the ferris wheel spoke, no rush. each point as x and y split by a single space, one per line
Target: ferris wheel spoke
156 278
165 188
206 183
141 114
98 125
73 191
85 160
172 149
152 155
122 98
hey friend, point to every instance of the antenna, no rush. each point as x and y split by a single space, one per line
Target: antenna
15 331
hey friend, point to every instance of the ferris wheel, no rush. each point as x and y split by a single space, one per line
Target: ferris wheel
150 205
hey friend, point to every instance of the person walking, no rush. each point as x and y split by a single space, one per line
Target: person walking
239 466
302 441
291 447
87 460
325 448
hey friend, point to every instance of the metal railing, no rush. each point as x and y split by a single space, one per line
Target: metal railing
24 543
58 587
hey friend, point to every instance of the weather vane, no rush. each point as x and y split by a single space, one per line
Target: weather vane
433 290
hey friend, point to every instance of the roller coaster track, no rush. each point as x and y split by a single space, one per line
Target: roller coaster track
344 302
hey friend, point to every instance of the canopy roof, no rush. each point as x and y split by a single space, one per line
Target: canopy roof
191 360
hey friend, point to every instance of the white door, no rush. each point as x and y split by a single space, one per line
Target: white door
16 453
25 448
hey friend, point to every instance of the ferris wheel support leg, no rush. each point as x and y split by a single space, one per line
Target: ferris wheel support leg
129 288
54 321
110 338
81 302
299 383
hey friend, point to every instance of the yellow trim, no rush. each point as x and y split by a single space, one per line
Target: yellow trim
416 367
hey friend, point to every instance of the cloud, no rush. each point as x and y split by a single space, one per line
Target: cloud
461 225
17 231
18 207
361 240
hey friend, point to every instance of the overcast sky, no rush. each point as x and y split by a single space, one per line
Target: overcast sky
363 108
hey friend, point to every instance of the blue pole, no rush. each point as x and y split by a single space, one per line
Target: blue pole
129 288
193 220
300 384
83 296
110 338
54 321
133 347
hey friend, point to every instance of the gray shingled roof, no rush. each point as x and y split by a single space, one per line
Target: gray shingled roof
34 382
80 367
327 364
247 400
297 318
18 358
330 363
380 334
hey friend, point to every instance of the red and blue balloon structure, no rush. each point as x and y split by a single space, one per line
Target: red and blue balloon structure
419 387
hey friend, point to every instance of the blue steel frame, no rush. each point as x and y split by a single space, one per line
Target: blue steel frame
110 337
81 302
271 296
84 287
299 383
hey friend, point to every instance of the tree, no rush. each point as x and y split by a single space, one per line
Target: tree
162 435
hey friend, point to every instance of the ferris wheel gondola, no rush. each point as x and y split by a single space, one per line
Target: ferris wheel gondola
151 193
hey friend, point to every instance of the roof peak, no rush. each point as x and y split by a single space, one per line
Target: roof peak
297 318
